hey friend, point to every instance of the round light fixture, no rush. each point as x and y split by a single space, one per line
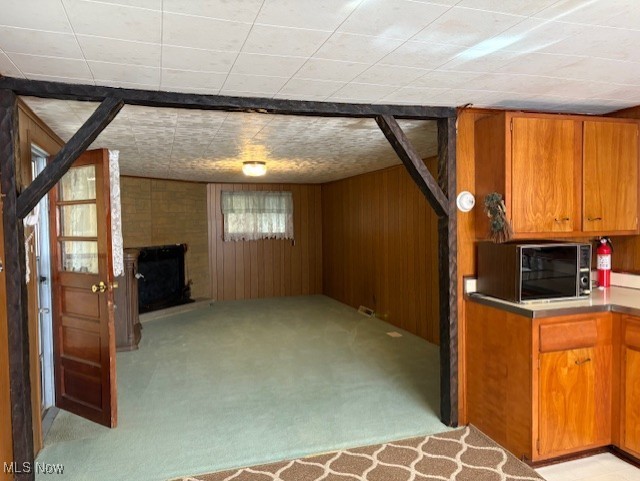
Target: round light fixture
465 201
254 168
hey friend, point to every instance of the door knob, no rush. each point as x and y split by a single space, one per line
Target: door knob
100 287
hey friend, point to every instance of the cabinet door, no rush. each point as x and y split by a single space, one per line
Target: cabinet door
632 400
610 176
545 175
568 417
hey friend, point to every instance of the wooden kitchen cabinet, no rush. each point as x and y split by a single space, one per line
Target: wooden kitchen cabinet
610 177
630 399
542 388
560 176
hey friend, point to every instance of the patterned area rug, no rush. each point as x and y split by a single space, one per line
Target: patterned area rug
461 455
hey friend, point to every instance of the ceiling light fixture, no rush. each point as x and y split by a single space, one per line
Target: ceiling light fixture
254 168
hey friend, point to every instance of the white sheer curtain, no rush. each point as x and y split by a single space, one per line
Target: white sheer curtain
254 215
117 244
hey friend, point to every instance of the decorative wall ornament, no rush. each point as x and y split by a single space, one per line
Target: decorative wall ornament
117 244
499 228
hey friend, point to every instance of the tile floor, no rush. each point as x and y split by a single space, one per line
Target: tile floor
601 467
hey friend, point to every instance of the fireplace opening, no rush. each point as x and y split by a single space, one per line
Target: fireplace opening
161 278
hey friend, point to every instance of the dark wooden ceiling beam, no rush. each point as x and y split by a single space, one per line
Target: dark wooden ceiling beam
68 154
154 98
414 164
16 288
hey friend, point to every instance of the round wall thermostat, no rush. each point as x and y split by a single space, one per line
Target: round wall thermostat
465 201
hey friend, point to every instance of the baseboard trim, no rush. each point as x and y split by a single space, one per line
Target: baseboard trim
616 451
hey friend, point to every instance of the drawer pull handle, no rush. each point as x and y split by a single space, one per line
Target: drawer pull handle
593 219
584 361
563 219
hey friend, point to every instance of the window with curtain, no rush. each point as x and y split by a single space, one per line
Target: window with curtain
254 215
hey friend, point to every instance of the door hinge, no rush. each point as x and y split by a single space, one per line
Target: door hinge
511 125
538 445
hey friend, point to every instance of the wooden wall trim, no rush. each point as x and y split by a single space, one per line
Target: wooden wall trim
16 289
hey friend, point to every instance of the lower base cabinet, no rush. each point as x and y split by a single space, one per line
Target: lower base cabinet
631 375
550 387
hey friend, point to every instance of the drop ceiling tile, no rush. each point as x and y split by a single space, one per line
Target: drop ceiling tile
7 67
539 64
363 92
183 58
446 79
532 35
275 65
120 51
205 33
356 48
337 70
514 7
288 96
121 84
36 42
601 70
390 75
467 27
114 21
35 14
67 80
479 60
150 4
254 83
422 55
313 88
188 79
615 13
523 84
236 10
58 67
399 19
605 42
324 15
421 96
284 41
125 73
628 93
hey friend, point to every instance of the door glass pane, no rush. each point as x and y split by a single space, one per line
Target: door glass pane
79 183
80 256
78 220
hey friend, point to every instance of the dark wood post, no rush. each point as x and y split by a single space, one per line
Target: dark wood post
448 270
17 307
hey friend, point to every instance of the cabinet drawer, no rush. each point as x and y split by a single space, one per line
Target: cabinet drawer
568 335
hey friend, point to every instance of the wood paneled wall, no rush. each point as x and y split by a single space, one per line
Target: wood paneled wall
161 212
380 246
626 257
6 441
267 268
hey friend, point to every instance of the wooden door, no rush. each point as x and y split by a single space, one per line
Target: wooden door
632 401
6 440
545 173
568 411
610 176
83 324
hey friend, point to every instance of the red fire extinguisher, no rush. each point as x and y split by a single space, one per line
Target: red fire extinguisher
603 252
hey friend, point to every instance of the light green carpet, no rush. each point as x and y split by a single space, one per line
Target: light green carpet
250 382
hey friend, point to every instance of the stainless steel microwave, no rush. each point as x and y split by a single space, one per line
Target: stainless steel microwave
536 271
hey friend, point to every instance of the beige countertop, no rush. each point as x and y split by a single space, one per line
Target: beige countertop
616 299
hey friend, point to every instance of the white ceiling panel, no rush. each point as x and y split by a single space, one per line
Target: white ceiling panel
285 41
35 14
114 21
234 10
211 146
202 32
324 15
55 66
120 51
38 42
560 54
400 19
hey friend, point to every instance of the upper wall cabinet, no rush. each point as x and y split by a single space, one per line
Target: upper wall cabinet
559 175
